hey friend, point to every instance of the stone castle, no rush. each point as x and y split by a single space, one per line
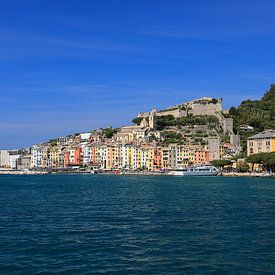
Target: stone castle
205 106
197 107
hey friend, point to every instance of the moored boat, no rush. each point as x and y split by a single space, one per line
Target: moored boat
205 170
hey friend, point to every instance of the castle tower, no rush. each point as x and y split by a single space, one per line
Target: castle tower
152 119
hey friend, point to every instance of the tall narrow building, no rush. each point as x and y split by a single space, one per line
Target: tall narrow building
152 119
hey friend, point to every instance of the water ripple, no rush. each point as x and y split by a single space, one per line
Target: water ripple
87 224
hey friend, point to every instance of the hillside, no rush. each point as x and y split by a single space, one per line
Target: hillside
257 113
260 114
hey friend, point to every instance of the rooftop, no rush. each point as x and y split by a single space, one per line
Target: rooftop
265 134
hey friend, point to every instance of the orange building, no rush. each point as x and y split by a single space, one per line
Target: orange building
201 156
78 157
66 158
157 158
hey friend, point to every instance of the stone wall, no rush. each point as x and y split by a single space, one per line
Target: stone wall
176 113
202 109
197 107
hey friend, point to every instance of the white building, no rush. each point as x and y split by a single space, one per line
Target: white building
85 136
85 149
4 158
13 157
36 156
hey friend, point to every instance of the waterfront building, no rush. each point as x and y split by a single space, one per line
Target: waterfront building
57 157
201 156
53 157
23 162
66 158
149 164
173 156
263 142
185 155
4 158
101 157
14 155
165 157
158 164
85 152
78 157
36 156
45 157
72 156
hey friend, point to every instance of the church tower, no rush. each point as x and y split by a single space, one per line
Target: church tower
152 119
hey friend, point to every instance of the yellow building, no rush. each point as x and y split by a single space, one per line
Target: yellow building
126 153
44 157
150 158
185 155
165 157
263 142
56 156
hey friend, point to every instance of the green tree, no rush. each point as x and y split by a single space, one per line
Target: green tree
221 163
266 159
137 120
164 121
109 132
257 113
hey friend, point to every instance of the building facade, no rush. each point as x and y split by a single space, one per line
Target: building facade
263 142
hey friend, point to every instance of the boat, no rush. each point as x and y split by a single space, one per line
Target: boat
205 170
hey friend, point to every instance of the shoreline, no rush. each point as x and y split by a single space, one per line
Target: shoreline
228 174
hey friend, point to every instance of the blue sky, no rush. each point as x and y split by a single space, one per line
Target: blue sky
71 66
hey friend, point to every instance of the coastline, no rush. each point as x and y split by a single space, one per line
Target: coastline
23 173
227 174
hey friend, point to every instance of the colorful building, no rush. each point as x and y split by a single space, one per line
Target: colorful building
263 142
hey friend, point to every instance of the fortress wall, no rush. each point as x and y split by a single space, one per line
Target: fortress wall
205 109
197 109
176 113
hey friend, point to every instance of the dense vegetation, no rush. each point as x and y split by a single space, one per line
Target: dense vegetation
169 120
109 132
266 159
221 163
137 120
257 113
172 137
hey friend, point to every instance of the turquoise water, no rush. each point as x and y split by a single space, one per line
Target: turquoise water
136 225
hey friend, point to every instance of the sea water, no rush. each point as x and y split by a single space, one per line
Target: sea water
82 224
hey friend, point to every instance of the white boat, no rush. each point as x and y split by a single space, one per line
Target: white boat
205 170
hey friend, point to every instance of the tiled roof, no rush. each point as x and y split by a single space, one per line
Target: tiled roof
265 134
